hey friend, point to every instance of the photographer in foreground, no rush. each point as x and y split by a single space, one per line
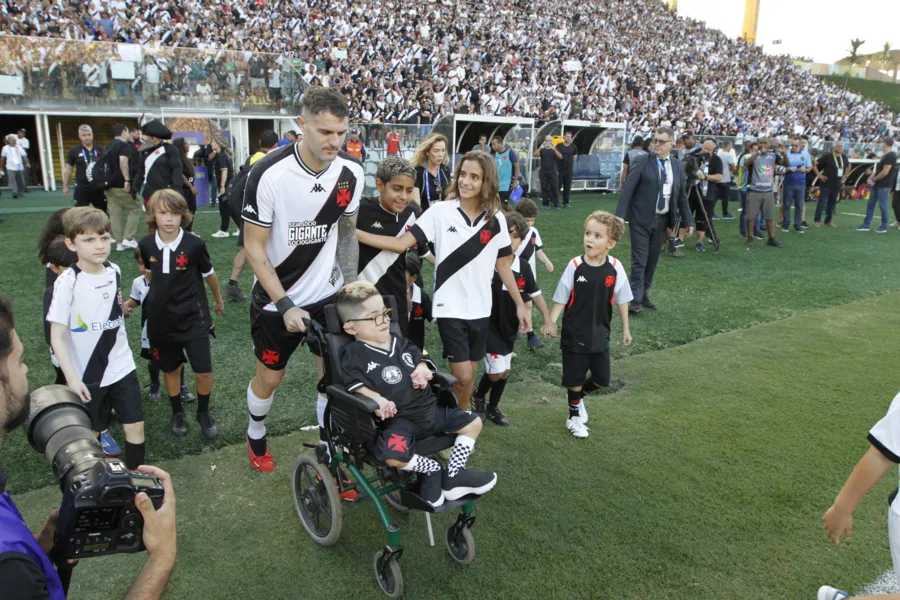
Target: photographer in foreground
707 175
25 567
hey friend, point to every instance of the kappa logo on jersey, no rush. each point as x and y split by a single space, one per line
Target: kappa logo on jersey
270 357
249 210
153 259
391 375
343 194
581 279
371 367
451 229
485 236
317 189
408 361
397 443
377 225
181 261
610 280
301 233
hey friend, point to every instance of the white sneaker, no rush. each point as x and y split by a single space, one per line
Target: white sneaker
195 234
220 234
826 592
129 244
582 411
236 233
119 247
577 427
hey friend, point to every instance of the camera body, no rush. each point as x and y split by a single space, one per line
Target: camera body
693 161
97 515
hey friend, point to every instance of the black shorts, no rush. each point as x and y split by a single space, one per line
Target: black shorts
398 436
464 340
577 365
171 355
124 396
273 344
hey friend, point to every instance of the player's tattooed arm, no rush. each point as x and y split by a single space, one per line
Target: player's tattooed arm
348 248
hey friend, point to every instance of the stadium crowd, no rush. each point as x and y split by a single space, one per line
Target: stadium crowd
610 60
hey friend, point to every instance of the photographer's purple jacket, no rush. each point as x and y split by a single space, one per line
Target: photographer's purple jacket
16 537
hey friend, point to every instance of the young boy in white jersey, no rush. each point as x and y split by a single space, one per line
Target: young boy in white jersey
87 331
504 326
589 287
883 454
531 248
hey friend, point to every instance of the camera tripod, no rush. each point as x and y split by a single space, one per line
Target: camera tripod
711 229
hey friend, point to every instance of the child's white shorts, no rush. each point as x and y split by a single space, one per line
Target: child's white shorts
495 364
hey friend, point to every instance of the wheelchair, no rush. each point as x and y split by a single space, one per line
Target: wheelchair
319 477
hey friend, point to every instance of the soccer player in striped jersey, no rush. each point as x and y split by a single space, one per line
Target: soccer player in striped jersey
589 287
532 247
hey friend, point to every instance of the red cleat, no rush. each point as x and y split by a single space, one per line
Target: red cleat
350 495
264 463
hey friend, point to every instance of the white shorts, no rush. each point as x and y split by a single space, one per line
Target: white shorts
495 364
894 537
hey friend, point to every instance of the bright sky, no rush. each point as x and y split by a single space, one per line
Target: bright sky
819 30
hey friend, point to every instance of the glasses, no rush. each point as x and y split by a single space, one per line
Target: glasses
379 320
659 142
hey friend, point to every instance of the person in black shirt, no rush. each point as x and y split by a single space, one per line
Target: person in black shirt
882 182
188 190
123 205
549 172
179 321
432 174
832 169
418 302
222 173
80 158
393 372
569 152
160 165
390 214
708 176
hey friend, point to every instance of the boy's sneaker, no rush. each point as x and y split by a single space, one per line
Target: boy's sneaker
774 243
582 412
700 247
864 228
577 427
179 425
497 418
220 234
478 407
467 482
882 229
534 342
430 489
264 463
804 225
233 293
207 426
154 391
236 233
895 224
679 243
759 236
110 447
798 229
728 216
785 228
826 592
129 244
186 395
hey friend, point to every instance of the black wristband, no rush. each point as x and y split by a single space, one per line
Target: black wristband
284 305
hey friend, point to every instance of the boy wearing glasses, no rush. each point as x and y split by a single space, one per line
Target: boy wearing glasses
392 371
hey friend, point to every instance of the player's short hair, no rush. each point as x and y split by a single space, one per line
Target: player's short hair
516 222
888 141
413 263
394 166
59 255
497 138
85 219
169 201
269 139
350 298
85 128
637 142
118 129
669 132
318 99
527 208
7 324
614 224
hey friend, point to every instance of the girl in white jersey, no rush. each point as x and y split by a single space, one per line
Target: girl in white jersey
471 239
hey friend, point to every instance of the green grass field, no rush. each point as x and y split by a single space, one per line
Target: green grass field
745 403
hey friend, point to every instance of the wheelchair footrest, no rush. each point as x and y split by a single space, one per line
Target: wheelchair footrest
414 502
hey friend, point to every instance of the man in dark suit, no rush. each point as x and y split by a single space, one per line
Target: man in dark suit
653 195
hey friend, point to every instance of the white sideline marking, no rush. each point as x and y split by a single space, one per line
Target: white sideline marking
886 584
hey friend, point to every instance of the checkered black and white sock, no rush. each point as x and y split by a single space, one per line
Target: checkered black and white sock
460 454
422 464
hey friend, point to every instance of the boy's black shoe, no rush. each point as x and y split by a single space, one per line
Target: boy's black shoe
799 229
179 425
430 488
634 309
207 426
534 342
497 418
647 303
154 390
186 395
467 482
233 293
774 243
478 407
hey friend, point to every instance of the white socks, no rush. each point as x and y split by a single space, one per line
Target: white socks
259 408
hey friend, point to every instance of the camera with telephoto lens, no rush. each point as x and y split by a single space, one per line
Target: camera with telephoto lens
97 515
692 161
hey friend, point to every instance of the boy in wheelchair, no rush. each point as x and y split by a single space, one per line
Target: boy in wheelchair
392 371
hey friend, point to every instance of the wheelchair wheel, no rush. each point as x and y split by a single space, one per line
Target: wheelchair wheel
316 499
393 499
388 574
461 544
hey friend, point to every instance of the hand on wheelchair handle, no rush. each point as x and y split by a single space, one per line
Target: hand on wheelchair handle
296 320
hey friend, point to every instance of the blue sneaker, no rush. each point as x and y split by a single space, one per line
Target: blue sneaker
864 228
882 229
186 395
110 447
